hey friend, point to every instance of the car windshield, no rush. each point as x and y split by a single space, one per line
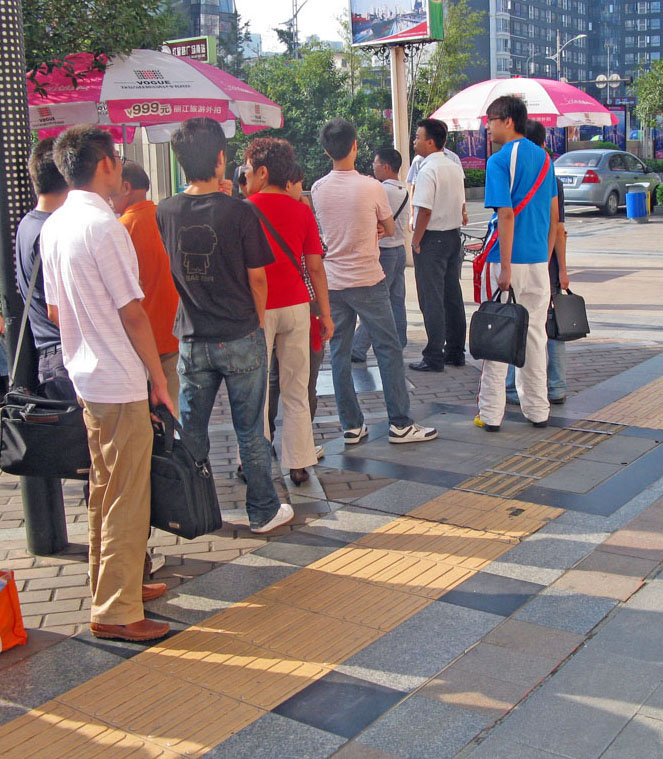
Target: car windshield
579 159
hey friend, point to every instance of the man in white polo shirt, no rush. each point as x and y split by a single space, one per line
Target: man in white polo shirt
438 200
93 295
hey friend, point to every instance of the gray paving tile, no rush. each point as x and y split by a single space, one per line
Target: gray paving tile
274 736
494 594
421 647
506 664
340 704
400 497
299 548
584 706
642 737
420 728
499 748
543 557
635 633
653 706
353 750
347 524
200 598
10 710
579 476
59 668
619 450
566 610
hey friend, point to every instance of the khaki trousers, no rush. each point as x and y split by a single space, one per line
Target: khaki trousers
120 440
169 366
287 330
531 286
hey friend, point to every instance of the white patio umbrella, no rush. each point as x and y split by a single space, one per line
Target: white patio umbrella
553 103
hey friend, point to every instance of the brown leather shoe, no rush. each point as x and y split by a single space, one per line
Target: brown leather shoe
150 592
146 629
299 475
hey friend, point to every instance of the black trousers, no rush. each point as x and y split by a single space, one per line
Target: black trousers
437 274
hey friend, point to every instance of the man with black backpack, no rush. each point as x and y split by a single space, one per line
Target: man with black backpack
386 165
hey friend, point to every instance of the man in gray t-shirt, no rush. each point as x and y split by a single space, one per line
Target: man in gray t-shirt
386 165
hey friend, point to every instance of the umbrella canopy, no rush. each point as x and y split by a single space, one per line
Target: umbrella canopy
146 88
553 103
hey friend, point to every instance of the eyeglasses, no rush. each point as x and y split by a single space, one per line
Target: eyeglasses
121 158
494 118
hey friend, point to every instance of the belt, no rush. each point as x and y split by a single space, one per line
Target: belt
50 350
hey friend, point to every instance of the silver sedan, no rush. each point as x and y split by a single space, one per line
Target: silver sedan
601 177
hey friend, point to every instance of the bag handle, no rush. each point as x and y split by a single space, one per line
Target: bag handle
497 296
279 240
171 426
24 317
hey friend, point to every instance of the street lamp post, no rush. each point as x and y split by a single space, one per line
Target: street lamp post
558 55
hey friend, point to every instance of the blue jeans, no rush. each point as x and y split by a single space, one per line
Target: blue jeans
556 373
392 261
202 367
373 307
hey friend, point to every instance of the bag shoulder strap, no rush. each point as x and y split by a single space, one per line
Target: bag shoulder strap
24 318
402 205
279 240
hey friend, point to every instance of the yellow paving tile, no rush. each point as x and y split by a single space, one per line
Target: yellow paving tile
55 731
642 408
577 438
344 598
527 465
227 665
501 516
491 483
555 451
167 711
458 546
592 425
398 571
294 632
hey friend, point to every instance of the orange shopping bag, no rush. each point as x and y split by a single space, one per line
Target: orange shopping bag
12 632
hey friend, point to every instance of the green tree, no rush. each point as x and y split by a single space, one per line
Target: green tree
53 29
230 46
444 73
648 88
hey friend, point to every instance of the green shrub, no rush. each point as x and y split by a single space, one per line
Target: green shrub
604 145
659 195
475 177
655 164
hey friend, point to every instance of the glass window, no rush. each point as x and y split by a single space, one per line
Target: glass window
617 163
579 158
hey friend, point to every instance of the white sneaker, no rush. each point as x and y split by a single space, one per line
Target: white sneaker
283 516
411 433
320 451
350 437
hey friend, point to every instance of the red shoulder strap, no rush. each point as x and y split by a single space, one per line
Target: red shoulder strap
537 184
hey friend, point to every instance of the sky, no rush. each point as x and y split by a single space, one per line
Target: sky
316 17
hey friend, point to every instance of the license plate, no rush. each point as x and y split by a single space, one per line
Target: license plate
566 180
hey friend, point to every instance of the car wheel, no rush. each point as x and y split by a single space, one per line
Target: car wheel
611 204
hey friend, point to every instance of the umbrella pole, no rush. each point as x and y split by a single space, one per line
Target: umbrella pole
124 140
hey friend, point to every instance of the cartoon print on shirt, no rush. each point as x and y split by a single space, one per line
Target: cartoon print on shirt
196 245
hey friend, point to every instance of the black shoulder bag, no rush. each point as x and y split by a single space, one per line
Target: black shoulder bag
498 331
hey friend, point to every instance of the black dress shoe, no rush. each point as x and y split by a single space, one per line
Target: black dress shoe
357 360
457 361
424 366
298 476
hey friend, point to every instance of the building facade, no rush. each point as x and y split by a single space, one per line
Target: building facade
523 38
204 17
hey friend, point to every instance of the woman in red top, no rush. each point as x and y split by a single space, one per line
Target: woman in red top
269 164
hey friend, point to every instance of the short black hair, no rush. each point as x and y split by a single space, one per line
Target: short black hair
436 130
391 157
276 155
42 169
297 174
510 106
136 175
337 137
535 132
78 150
197 144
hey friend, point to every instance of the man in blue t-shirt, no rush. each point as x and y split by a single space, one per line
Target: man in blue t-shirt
520 256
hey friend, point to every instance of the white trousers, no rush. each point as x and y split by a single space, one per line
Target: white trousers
531 286
287 330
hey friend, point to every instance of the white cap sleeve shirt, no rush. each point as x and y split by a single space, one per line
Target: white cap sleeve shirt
91 271
440 188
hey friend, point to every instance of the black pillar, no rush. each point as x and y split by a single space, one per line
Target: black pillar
43 503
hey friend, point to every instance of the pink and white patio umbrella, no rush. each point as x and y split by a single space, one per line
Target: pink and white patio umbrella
147 88
553 103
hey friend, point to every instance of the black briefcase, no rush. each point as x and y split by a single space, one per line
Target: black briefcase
40 437
567 317
184 499
498 331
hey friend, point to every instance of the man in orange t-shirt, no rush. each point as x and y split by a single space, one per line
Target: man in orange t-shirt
161 299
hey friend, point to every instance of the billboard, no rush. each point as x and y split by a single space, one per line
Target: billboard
395 22
617 132
470 147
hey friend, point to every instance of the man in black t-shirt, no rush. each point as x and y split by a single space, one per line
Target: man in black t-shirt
51 190
218 252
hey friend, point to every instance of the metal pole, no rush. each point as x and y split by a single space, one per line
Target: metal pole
43 504
399 109
559 57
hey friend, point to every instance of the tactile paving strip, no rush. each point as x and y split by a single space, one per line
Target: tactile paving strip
642 408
